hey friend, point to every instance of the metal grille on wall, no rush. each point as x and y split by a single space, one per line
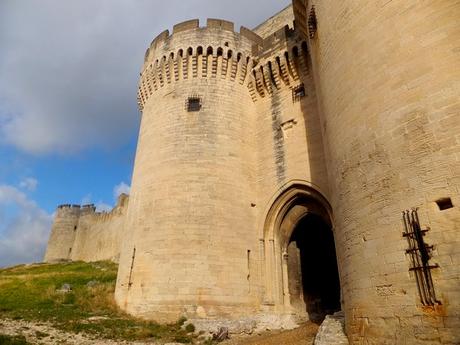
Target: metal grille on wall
420 254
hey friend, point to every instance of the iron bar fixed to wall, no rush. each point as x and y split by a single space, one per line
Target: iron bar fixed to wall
130 282
420 255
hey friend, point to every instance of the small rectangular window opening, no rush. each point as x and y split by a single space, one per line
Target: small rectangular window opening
444 203
193 104
298 93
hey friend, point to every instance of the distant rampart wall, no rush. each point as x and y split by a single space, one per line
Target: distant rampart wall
81 233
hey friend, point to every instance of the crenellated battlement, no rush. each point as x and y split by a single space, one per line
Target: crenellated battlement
75 210
78 228
194 24
195 62
283 68
263 65
90 209
283 59
213 51
69 206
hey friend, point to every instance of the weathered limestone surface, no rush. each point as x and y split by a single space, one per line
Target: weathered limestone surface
331 331
275 23
353 125
388 76
81 233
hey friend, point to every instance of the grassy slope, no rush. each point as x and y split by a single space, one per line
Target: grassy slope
31 293
13 340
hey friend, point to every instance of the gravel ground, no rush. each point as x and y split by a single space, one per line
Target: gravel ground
304 335
44 333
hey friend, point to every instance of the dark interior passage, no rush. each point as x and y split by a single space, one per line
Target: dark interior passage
314 283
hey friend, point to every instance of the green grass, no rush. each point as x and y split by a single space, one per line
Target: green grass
12 340
30 293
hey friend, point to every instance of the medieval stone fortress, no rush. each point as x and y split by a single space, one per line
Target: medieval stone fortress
306 166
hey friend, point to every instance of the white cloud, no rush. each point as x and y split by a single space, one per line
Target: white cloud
103 207
86 200
119 189
24 229
69 70
29 184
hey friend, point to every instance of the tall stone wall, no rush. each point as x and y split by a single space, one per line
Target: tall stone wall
289 139
275 23
204 180
81 233
190 217
63 231
388 77
289 150
351 114
99 234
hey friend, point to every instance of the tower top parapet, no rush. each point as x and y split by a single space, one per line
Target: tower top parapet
194 24
69 206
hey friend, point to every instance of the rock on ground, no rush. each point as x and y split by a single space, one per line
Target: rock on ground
303 335
331 331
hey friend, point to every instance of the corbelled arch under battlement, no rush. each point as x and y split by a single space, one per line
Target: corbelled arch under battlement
213 51
194 62
263 65
283 68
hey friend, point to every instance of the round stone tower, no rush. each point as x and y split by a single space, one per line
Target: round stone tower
388 75
63 233
190 214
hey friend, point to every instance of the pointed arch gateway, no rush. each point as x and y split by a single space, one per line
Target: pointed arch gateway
298 254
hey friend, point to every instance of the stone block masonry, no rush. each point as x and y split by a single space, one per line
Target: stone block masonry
81 233
273 166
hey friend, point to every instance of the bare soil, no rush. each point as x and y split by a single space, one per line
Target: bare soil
45 333
304 335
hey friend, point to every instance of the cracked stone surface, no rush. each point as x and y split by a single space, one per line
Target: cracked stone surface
331 331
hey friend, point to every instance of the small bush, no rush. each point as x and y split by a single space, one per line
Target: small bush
181 321
13 340
69 298
40 335
184 339
190 328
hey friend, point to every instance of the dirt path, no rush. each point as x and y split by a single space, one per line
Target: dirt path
45 333
303 335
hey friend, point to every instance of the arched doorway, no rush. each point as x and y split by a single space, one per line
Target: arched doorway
300 263
313 277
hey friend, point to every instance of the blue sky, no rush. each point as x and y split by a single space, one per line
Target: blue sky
68 113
